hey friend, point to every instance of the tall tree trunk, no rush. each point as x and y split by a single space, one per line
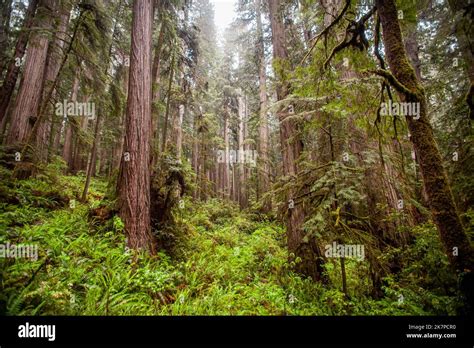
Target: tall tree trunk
13 70
308 251
42 110
134 178
168 101
5 14
67 148
263 168
179 133
411 46
91 167
195 155
156 77
241 156
117 153
55 55
157 64
28 99
225 175
202 160
79 158
441 202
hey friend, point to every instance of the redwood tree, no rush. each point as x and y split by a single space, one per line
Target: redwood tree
53 65
134 178
291 147
5 14
11 76
28 99
264 168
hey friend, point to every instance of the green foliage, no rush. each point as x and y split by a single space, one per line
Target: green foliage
425 266
228 264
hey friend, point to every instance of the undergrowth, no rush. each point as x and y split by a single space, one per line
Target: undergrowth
226 262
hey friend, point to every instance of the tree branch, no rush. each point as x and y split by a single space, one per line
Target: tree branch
356 29
399 87
326 30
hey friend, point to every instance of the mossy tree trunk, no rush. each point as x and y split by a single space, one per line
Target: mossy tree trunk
440 198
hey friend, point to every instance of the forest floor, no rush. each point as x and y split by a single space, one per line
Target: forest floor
223 262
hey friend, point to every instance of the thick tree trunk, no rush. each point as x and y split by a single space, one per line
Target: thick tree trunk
263 168
441 202
28 99
134 178
13 70
311 260
5 14
55 56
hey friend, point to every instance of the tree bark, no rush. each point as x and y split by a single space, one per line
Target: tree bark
55 56
134 178
13 69
308 251
168 101
435 179
156 77
5 14
179 133
67 148
195 156
240 162
264 168
91 167
225 178
28 99
79 158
